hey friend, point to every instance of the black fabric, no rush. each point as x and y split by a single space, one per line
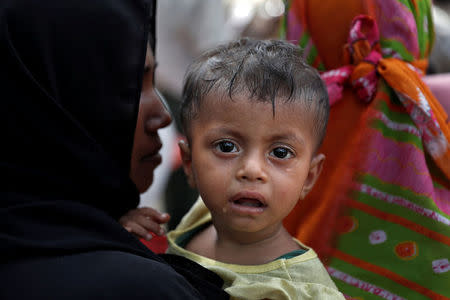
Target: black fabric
201 278
94 275
70 80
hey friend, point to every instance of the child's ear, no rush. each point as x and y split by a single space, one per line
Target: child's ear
186 159
314 171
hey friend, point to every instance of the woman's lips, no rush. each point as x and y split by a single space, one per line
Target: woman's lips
248 202
154 156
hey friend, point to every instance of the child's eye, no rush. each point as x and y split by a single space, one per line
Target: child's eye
226 146
281 152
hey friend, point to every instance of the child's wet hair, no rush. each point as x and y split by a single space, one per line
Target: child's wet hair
264 70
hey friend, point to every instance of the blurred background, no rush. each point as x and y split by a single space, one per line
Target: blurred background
185 28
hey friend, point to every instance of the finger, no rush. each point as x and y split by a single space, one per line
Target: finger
131 222
153 213
139 231
161 219
146 210
149 224
164 217
152 226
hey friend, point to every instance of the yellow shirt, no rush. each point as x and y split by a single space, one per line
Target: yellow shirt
300 277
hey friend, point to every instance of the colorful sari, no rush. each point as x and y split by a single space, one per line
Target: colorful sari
379 215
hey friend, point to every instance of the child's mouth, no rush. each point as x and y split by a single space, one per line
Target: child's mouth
248 202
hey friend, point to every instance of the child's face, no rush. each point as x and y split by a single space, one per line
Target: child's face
250 166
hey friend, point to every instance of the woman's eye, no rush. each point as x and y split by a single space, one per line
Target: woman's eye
226 146
281 152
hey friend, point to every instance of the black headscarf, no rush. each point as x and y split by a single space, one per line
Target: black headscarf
70 81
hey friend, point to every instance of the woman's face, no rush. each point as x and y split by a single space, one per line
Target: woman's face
152 116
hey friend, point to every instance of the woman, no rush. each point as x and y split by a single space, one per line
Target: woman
71 79
380 212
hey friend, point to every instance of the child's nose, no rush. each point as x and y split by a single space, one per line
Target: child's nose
252 168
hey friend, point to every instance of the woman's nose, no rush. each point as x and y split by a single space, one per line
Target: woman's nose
252 168
160 116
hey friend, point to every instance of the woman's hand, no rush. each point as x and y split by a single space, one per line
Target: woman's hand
141 221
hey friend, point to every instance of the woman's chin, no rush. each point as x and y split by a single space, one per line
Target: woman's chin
145 185
142 180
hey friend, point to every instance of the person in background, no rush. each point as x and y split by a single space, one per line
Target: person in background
380 213
80 125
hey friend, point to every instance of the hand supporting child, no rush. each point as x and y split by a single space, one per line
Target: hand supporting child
143 220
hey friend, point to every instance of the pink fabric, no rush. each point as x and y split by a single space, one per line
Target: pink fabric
335 81
363 28
398 23
442 199
408 167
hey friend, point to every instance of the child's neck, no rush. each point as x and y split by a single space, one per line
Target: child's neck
242 248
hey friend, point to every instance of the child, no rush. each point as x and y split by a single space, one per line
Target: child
254 115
